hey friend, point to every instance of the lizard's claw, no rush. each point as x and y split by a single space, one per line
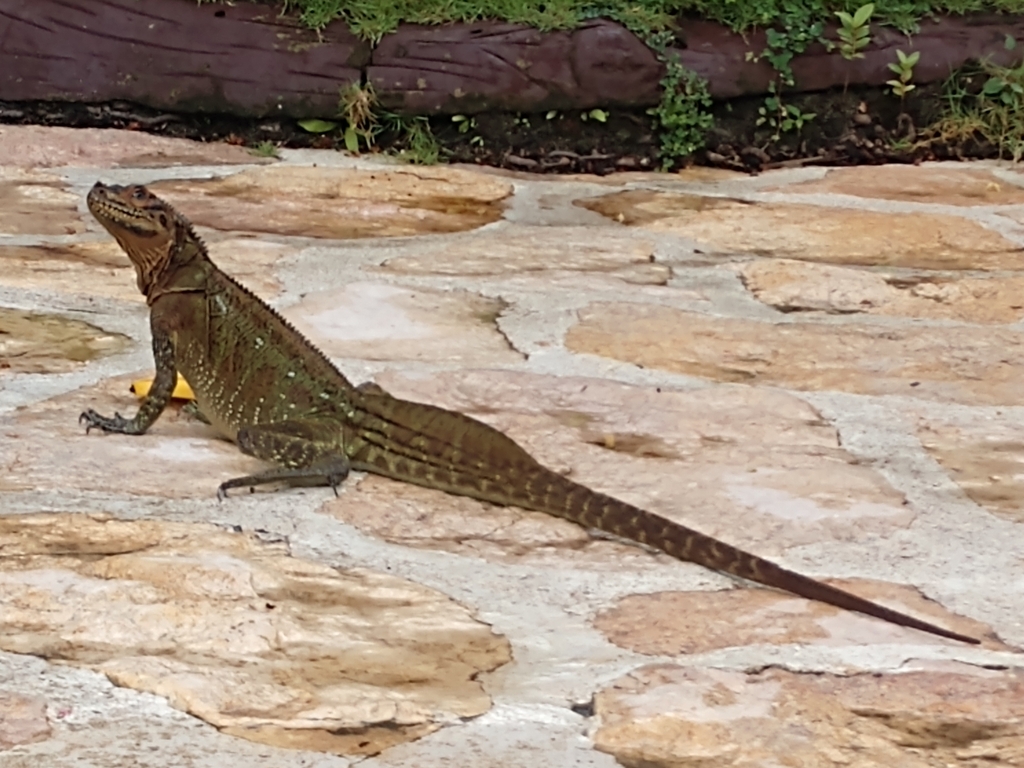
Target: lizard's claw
92 419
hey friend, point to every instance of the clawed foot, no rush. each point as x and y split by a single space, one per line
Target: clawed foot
116 423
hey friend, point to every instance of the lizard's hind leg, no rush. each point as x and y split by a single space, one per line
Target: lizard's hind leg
299 450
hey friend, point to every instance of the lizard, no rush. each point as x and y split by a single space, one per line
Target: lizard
262 384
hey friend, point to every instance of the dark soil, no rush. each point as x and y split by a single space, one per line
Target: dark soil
849 127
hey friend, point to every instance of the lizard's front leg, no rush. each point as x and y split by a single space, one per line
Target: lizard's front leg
302 449
156 399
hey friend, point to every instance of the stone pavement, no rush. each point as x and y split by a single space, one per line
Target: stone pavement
821 366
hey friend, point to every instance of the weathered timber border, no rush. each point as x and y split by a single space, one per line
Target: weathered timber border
245 59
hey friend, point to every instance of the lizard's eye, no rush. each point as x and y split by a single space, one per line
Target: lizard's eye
139 194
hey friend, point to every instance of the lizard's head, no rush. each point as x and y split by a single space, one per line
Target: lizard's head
147 228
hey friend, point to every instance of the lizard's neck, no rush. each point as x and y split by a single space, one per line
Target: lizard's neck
186 268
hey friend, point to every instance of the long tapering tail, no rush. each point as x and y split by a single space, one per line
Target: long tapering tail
450 451
578 503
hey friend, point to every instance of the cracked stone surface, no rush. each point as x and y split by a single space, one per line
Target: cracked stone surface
932 184
260 644
819 365
727 226
982 456
386 322
973 365
37 203
944 714
33 342
342 202
799 286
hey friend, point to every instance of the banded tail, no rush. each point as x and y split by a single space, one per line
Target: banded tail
575 502
452 452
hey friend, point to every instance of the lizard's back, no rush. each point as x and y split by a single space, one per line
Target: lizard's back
245 362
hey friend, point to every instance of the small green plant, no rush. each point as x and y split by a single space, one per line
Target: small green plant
682 117
364 121
414 137
793 32
1005 87
595 114
358 105
780 116
264 149
853 31
992 114
795 29
465 123
904 69
316 125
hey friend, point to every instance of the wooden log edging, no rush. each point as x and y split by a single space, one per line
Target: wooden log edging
174 54
246 59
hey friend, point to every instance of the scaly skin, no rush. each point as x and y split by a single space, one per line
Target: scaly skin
263 385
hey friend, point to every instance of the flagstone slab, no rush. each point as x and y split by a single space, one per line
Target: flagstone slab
340 202
677 623
102 269
33 342
983 456
239 633
375 321
757 468
933 714
962 364
800 286
728 227
38 146
546 252
35 203
927 183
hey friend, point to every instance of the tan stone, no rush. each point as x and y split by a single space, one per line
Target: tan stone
376 321
754 467
241 634
545 251
47 449
799 286
22 719
665 716
32 342
674 623
33 203
36 146
811 233
102 268
696 174
942 185
340 203
959 364
983 455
